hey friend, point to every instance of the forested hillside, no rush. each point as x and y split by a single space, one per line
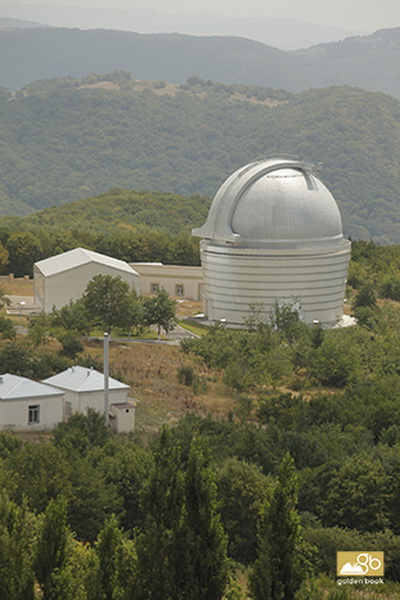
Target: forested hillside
369 61
122 210
68 139
309 446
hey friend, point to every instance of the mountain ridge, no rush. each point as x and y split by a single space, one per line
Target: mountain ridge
43 53
66 139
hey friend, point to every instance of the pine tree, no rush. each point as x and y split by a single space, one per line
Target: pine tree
279 569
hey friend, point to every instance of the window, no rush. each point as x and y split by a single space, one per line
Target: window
34 414
68 408
154 288
179 291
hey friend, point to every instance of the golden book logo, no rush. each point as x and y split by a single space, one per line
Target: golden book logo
360 564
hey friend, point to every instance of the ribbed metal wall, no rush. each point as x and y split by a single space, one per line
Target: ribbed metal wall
234 278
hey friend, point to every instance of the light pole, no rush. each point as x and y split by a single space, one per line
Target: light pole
21 306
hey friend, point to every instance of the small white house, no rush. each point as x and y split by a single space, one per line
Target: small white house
64 277
84 388
26 404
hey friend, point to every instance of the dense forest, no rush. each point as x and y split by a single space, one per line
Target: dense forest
305 464
369 61
68 139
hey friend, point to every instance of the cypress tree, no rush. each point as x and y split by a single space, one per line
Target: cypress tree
204 565
279 569
17 532
157 545
51 550
108 547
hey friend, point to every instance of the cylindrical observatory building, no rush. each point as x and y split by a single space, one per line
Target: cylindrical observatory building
274 234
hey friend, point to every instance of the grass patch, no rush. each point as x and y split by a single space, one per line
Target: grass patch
119 334
193 327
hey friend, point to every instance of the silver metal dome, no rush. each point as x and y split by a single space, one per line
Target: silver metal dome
273 234
273 203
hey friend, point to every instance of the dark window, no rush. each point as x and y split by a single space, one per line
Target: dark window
33 414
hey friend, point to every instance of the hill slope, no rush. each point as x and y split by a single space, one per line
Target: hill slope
67 139
124 211
370 62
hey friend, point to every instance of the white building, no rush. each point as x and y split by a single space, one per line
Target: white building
64 277
178 280
274 234
84 388
26 404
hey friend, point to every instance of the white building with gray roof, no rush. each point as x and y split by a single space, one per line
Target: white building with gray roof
84 388
64 277
27 404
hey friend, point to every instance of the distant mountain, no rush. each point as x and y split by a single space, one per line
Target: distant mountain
6 23
370 62
67 139
47 52
285 34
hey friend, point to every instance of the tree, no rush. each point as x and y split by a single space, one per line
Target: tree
7 329
82 432
106 299
203 565
17 531
365 297
355 496
73 316
337 360
158 543
132 318
24 249
16 358
182 548
160 310
4 299
71 344
51 548
279 568
4 258
108 545
39 328
242 490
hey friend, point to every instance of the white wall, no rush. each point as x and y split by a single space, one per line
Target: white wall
234 278
81 401
14 413
172 278
124 417
60 288
96 399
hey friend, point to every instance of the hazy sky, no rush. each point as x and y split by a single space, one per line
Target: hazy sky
367 15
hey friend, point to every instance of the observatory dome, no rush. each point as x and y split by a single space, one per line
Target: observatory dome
274 233
272 203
